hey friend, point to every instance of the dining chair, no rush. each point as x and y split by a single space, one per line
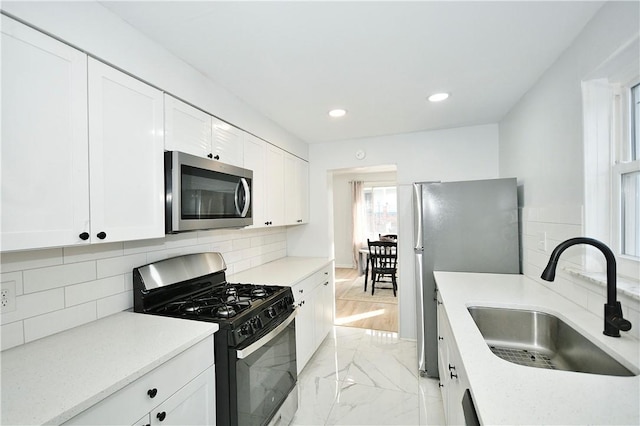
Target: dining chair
383 258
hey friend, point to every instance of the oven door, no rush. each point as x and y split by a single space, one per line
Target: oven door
265 374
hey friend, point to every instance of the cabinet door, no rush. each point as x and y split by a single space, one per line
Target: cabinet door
187 129
255 151
275 185
227 144
305 329
296 183
328 308
194 404
125 156
45 189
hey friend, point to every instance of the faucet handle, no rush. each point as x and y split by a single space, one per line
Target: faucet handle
613 320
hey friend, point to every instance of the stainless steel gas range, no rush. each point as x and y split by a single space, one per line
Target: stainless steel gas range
255 348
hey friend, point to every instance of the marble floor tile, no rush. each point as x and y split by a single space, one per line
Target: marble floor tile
366 377
368 405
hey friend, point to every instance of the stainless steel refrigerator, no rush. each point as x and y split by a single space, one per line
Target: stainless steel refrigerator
469 226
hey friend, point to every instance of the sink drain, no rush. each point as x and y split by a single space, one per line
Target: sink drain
523 357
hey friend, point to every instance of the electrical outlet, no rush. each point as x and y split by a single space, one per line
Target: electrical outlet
542 241
8 297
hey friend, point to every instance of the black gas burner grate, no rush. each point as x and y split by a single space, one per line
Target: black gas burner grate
219 302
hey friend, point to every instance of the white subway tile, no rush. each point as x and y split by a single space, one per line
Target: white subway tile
34 304
181 240
58 276
241 243
21 260
144 246
54 322
92 290
114 304
119 265
92 252
12 335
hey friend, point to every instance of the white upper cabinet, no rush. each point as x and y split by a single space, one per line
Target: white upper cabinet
195 132
274 193
296 189
255 151
187 129
44 151
227 143
126 156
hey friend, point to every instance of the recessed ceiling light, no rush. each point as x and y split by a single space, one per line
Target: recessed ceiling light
437 97
338 112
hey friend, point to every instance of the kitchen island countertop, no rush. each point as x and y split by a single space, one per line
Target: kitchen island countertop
50 380
506 393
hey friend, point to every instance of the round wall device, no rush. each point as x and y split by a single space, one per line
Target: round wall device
360 154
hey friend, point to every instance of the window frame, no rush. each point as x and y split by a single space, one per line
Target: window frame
607 132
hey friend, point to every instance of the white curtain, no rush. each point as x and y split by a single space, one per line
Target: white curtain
357 219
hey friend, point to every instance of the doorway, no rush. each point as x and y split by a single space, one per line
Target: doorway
354 306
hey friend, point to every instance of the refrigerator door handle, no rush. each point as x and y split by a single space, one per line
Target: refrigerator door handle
422 365
417 220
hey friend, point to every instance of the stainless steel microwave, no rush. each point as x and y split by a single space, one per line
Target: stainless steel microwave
205 194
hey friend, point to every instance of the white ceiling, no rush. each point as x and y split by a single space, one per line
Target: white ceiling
293 61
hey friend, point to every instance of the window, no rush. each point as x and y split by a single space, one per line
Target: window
381 211
611 107
627 171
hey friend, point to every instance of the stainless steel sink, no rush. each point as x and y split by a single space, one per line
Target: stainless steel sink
538 339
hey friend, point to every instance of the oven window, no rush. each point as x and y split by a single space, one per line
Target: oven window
211 195
265 378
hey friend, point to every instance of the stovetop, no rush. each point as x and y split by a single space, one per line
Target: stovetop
194 287
219 303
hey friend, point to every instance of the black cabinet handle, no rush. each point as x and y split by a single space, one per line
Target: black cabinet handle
217 157
210 155
84 236
440 338
268 223
161 416
453 375
102 235
452 367
152 392
440 385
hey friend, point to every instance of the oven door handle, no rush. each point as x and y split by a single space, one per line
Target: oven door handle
243 353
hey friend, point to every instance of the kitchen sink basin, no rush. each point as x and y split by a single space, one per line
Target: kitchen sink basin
538 339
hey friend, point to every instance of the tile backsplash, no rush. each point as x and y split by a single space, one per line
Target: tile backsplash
542 230
61 288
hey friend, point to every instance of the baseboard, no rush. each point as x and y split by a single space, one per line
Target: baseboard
346 266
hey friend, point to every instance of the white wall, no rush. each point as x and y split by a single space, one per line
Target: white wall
454 154
541 142
342 213
94 29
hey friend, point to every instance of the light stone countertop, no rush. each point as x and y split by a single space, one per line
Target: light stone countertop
506 393
284 272
50 380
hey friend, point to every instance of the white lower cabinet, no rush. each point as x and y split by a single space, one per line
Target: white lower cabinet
453 378
314 300
179 392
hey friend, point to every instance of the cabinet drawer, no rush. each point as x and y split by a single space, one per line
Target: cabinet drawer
307 285
132 402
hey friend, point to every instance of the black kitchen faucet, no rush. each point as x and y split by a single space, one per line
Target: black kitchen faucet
613 320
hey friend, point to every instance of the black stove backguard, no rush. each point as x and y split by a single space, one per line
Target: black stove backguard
255 351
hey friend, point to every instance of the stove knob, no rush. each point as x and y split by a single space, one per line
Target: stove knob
271 313
257 324
245 330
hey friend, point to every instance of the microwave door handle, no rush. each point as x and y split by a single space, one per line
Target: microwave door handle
247 198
